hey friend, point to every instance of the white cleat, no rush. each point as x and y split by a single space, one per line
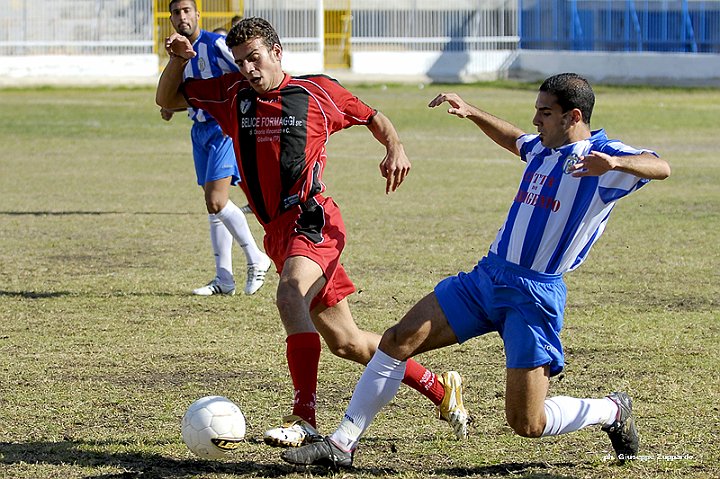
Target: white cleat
294 432
215 287
256 274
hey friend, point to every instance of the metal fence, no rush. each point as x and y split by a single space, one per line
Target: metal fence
75 27
430 25
296 21
621 25
30 27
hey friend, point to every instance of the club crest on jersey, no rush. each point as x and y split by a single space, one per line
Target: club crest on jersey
244 106
201 64
569 162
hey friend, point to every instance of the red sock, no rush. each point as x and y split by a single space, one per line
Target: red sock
303 356
424 381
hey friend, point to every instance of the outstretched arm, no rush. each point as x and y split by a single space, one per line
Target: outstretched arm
168 90
644 165
498 130
395 166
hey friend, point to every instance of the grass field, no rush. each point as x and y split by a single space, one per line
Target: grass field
103 234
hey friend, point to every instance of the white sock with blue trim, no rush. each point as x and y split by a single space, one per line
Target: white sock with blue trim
221 241
567 414
377 386
234 220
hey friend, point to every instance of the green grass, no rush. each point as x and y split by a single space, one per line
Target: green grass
103 233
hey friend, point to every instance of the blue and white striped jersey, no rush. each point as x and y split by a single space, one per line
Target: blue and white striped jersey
555 218
213 59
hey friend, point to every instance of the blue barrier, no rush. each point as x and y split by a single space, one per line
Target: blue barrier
620 25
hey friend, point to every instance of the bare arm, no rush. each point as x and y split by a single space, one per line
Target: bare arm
498 130
644 165
395 166
168 93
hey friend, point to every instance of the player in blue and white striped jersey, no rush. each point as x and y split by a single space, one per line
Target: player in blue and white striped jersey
215 164
572 179
556 217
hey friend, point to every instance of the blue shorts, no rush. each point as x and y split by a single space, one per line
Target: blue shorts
525 307
213 153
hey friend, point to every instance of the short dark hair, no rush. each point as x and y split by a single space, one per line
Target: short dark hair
251 28
175 1
572 91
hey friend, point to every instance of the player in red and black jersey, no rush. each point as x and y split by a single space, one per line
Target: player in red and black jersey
280 127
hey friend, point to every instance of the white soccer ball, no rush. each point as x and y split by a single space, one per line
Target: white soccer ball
213 427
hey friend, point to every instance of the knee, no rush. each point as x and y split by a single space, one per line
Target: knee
525 426
348 349
214 205
395 342
287 296
215 200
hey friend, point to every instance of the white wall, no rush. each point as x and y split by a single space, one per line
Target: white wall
671 69
382 66
36 70
433 66
299 63
679 69
78 69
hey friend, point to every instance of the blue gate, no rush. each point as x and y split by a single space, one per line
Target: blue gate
620 25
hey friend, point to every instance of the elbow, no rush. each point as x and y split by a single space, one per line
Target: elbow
668 170
169 98
653 167
161 100
664 172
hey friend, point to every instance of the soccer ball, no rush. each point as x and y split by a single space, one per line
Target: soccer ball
213 427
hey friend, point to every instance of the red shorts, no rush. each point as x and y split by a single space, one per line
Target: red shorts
317 233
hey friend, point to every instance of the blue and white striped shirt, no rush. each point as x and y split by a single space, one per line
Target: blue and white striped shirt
213 59
555 218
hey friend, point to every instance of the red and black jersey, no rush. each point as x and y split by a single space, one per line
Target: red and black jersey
280 136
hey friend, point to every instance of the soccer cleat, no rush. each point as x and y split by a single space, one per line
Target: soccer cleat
294 432
215 287
256 274
451 409
320 453
622 432
246 209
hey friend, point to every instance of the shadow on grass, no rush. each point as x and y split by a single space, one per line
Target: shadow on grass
133 464
59 294
515 469
94 213
35 294
145 465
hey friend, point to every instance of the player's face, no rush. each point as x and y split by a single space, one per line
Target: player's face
184 18
259 64
552 124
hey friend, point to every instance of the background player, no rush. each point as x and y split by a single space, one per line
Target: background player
280 127
215 164
573 177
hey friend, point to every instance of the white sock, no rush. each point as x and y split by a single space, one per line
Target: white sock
221 241
377 386
235 221
566 414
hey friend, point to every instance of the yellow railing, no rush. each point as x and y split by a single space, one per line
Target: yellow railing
213 14
219 13
338 31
